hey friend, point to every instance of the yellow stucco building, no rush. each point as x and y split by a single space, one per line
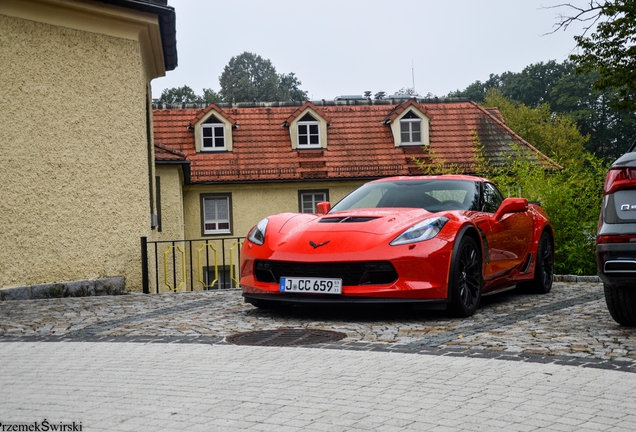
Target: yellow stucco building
77 164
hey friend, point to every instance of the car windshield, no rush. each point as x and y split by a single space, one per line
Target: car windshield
431 195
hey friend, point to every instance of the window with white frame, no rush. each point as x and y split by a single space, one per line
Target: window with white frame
308 132
307 200
215 211
411 129
213 135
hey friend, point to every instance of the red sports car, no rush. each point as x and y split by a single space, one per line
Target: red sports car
438 242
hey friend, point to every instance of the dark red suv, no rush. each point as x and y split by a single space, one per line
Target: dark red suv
616 239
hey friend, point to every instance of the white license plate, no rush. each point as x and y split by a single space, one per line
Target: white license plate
311 285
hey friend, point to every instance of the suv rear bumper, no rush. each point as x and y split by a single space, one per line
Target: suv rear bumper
617 263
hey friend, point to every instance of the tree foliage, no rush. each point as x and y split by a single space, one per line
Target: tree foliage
185 94
249 77
556 136
177 95
567 93
609 50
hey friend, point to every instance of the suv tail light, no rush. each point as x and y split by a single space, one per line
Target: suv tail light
604 239
619 178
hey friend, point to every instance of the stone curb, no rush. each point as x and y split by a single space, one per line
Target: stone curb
83 288
575 278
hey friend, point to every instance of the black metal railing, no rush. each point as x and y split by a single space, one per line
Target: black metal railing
190 265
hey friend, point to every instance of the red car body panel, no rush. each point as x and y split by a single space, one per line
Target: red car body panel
508 245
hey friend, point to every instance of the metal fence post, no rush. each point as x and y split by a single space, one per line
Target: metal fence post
144 265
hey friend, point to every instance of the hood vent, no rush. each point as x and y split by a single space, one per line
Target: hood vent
347 219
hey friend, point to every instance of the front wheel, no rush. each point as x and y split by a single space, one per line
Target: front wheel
621 302
465 279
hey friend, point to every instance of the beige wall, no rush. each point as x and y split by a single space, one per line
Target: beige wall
171 194
74 170
253 202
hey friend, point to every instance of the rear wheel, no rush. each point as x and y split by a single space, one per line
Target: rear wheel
465 279
544 268
621 302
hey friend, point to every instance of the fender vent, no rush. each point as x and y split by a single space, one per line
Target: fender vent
348 219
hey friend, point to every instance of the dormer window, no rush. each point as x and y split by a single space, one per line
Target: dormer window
308 132
307 128
410 125
213 130
213 135
411 129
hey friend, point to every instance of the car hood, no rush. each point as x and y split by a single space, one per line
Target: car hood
346 230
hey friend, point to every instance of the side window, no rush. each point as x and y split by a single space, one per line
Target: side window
492 198
308 132
213 135
308 199
411 129
216 214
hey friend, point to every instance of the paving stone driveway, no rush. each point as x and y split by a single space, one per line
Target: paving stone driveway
569 324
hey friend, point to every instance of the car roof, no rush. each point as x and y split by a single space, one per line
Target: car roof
439 177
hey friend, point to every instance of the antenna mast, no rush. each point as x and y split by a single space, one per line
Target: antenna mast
413 75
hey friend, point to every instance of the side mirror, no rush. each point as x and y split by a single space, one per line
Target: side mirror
511 205
323 207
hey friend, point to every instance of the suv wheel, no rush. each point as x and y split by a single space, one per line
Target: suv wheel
621 302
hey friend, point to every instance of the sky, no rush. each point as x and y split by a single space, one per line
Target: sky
347 47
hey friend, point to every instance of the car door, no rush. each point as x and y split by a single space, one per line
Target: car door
507 239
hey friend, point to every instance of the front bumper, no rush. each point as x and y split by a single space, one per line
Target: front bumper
307 299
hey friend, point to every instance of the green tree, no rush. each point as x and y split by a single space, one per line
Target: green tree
610 49
210 96
179 95
289 88
408 91
249 77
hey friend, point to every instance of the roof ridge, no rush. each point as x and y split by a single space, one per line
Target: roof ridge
170 149
316 103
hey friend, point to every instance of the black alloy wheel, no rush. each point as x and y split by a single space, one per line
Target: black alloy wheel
466 279
544 267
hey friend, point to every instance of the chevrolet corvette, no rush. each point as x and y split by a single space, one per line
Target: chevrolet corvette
436 242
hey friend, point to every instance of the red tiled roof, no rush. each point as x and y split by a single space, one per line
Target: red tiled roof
360 143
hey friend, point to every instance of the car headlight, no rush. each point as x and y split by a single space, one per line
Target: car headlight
257 235
424 230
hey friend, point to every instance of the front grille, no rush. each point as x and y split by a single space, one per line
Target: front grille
351 273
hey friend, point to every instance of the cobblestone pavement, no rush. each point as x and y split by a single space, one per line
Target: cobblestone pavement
571 322
162 363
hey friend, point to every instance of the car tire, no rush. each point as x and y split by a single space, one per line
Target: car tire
543 269
465 279
621 302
